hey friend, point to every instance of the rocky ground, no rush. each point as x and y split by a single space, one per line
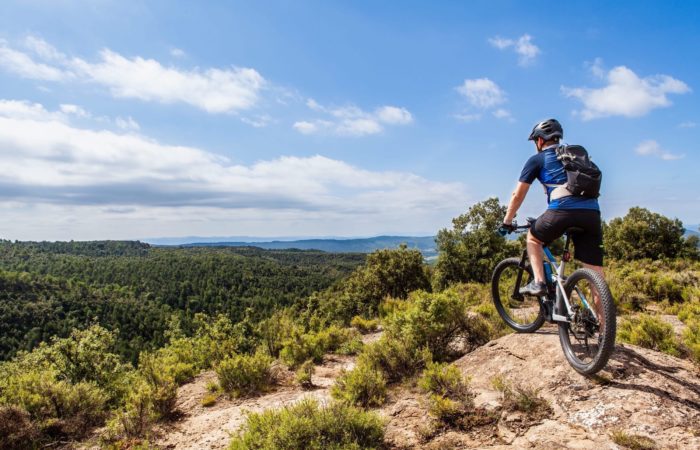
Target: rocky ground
641 392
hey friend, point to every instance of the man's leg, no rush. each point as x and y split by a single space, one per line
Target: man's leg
537 286
534 251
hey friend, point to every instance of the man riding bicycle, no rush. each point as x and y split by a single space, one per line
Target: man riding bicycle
564 210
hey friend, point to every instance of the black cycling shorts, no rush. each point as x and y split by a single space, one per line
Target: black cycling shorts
588 243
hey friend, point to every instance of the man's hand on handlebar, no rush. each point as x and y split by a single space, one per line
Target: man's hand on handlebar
507 228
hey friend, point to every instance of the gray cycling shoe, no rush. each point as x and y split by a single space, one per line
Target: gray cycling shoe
534 288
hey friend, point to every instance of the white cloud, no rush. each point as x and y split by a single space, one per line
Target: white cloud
503 114
393 115
97 179
74 110
626 94
127 123
687 124
353 121
213 90
305 127
260 121
177 53
23 65
523 46
652 148
482 93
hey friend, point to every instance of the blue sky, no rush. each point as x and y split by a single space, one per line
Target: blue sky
122 120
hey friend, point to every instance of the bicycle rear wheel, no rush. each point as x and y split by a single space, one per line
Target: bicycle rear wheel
521 313
589 339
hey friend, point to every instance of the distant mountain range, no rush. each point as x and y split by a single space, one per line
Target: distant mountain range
426 244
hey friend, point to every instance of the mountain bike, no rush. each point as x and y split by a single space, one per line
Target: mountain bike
580 304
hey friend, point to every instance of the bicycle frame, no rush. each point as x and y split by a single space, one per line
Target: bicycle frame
554 273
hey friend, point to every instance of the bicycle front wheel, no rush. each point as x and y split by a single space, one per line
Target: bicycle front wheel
589 339
521 313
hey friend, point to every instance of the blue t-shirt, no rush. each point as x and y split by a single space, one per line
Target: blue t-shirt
545 167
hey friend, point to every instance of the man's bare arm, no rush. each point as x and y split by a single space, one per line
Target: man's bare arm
516 199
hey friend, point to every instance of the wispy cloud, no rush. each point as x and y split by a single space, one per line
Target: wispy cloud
49 161
213 90
351 120
687 124
626 94
523 46
483 94
652 148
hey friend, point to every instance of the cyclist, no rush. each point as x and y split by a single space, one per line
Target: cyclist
564 210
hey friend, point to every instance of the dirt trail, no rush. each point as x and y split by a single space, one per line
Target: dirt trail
211 427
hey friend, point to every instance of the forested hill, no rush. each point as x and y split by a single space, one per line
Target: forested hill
48 288
426 244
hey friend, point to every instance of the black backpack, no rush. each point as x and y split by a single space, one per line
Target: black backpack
583 177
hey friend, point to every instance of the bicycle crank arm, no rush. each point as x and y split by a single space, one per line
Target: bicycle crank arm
558 318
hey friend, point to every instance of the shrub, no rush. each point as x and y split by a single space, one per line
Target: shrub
351 347
57 406
520 398
632 441
441 322
365 325
645 234
304 374
301 347
470 250
446 380
242 375
648 332
691 339
209 400
450 397
689 312
306 425
362 386
135 418
394 358
16 428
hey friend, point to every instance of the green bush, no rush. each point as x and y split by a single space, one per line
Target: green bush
632 441
242 375
351 347
446 380
472 248
56 407
304 374
645 234
303 346
445 409
634 284
362 386
363 325
648 332
520 398
209 400
308 426
691 339
450 397
438 321
394 358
